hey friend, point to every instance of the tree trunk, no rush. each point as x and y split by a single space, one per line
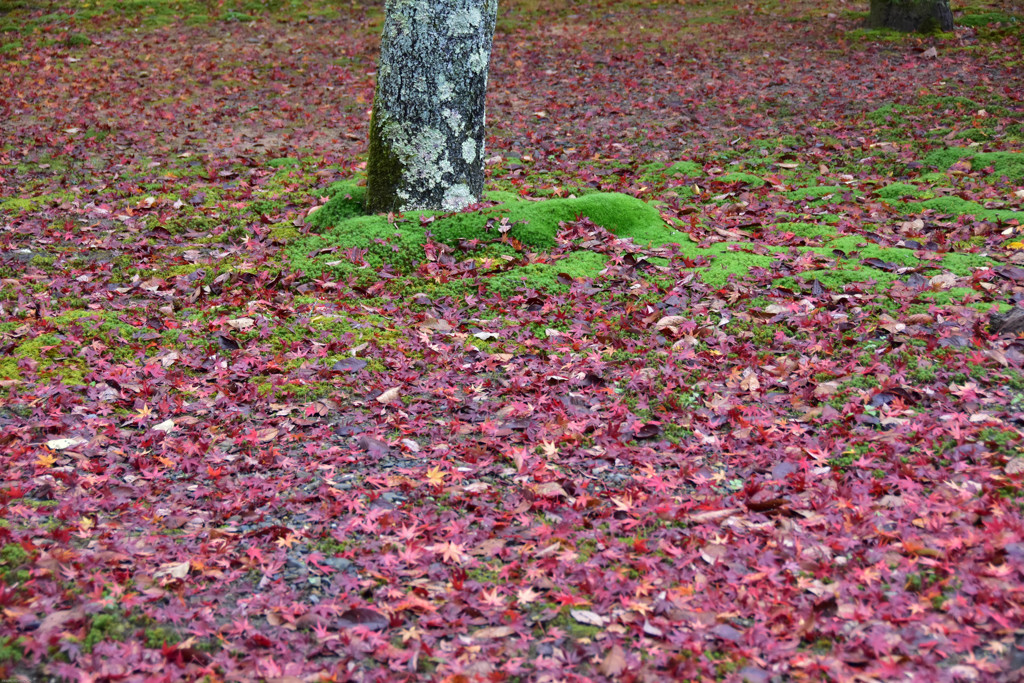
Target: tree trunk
922 16
427 127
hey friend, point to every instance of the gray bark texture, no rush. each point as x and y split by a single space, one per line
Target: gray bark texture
922 16
427 127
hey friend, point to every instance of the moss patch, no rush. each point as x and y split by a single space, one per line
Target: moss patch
805 229
996 165
747 179
901 190
357 243
685 168
819 192
355 247
958 206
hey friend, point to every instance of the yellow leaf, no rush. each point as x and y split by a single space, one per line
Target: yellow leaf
287 541
85 523
46 460
436 476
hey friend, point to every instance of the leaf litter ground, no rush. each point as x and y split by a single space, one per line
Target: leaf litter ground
786 448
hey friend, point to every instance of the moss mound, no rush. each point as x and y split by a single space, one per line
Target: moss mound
346 201
353 245
747 179
818 192
805 229
1009 165
1003 164
685 168
900 190
957 206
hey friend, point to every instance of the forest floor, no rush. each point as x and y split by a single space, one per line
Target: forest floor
774 436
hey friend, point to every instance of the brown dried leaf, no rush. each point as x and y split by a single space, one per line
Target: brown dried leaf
614 662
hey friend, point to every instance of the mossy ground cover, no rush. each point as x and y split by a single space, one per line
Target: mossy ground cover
717 332
350 244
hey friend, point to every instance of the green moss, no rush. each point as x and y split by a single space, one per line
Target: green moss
805 229
901 190
747 179
957 206
56 356
1008 165
986 18
401 244
77 40
997 165
13 556
948 296
104 626
545 276
19 205
564 621
283 161
819 192
685 168
950 102
231 15
178 225
944 158
725 260
159 636
284 232
886 113
11 650
346 201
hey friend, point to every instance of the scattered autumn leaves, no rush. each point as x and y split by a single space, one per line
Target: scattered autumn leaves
217 467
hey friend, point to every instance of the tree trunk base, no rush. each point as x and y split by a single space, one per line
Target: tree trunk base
1011 322
921 16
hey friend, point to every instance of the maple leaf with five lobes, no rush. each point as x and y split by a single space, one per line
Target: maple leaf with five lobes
527 595
492 598
451 552
46 460
436 476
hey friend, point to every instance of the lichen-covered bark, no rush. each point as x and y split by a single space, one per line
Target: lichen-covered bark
922 16
427 129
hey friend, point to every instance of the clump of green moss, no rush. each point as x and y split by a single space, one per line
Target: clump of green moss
747 179
805 229
885 113
900 190
18 205
178 225
817 192
545 276
77 40
1008 165
952 102
946 157
400 244
985 18
957 206
685 168
346 201
11 650
13 556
